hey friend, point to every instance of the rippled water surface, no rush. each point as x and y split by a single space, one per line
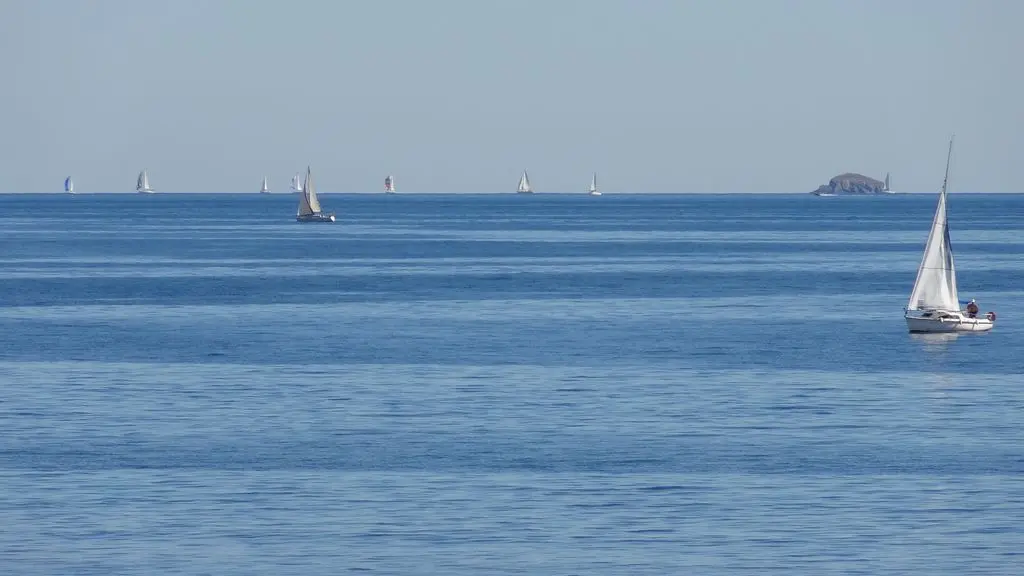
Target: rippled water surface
196 384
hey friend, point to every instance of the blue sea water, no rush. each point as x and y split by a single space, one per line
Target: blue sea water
504 384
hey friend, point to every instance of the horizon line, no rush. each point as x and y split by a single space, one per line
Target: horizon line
513 193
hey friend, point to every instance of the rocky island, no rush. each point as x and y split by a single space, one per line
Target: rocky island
850 183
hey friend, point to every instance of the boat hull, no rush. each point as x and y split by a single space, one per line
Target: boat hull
949 323
524 191
316 217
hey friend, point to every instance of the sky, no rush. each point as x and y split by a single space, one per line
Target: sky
463 95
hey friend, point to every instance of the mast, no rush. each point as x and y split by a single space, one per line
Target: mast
949 156
935 286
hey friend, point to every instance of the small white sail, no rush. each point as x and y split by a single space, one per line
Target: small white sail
308 201
389 184
887 189
524 184
593 186
296 183
265 189
935 286
314 201
69 185
142 185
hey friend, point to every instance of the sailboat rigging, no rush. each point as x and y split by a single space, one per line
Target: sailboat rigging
524 184
142 185
934 304
309 204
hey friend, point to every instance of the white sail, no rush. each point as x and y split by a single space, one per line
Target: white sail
142 185
935 286
265 189
389 184
304 207
524 183
887 189
308 201
69 185
593 185
296 183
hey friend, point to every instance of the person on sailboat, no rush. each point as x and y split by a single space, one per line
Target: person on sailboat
972 309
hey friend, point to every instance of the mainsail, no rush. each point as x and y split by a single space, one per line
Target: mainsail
308 201
935 286
265 189
389 184
887 182
69 186
593 183
524 183
296 183
142 185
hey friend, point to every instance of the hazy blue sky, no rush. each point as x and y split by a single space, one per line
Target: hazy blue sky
461 96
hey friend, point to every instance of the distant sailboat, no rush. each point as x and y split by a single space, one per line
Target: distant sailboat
389 185
142 185
593 186
524 184
309 204
886 188
69 186
265 189
934 304
296 183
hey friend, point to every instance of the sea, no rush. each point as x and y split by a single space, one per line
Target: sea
505 384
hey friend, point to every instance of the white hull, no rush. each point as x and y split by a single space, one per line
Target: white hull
150 191
595 193
948 322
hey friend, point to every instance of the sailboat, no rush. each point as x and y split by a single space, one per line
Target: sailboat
69 185
296 183
143 183
265 189
593 186
886 188
389 185
524 184
309 204
934 304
